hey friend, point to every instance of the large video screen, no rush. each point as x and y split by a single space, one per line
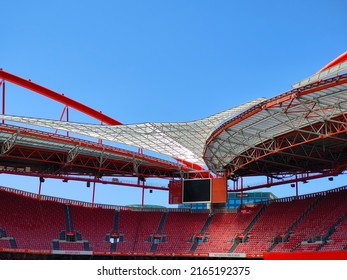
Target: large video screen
197 190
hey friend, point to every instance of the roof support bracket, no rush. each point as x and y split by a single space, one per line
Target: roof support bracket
136 165
102 158
9 143
73 153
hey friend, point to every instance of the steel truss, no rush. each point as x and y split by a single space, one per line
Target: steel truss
303 130
47 153
305 145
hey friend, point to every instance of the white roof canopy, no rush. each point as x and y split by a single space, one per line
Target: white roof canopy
182 140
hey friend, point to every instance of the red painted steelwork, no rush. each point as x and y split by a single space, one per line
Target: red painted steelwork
199 171
58 97
91 164
290 140
293 94
190 164
338 60
97 147
300 178
3 98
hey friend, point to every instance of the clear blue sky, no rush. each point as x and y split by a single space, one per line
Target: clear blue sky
161 61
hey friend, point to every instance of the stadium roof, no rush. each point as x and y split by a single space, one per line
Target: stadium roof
36 153
302 130
182 140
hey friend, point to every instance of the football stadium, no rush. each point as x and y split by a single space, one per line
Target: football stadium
295 137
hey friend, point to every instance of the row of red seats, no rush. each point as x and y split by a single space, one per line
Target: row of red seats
327 212
274 222
223 229
34 224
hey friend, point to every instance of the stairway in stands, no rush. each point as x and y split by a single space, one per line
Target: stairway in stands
162 223
201 237
336 240
249 227
288 232
30 223
159 232
68 218
6 241
115 229
179 229
70 239
308 234
158 236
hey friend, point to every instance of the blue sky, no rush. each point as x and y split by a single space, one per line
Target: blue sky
161 61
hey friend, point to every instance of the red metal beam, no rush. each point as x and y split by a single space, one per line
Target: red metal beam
28 84
73 141
281 143
82 162
338 60
302 178
3 98
273 102
76 178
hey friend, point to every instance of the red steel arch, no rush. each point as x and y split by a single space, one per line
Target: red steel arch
28 84
341 58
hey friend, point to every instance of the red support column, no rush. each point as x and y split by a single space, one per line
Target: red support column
241 193
67 119
93 194
143 194
296 188
143 183
100 140
61 117
3 99
65 110
40 185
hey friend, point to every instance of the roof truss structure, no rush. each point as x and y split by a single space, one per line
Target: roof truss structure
35 153
183 140
303 130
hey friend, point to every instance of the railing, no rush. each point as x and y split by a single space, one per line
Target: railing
117 207
95 205
304 196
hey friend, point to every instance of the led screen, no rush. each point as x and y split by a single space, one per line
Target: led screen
197 190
